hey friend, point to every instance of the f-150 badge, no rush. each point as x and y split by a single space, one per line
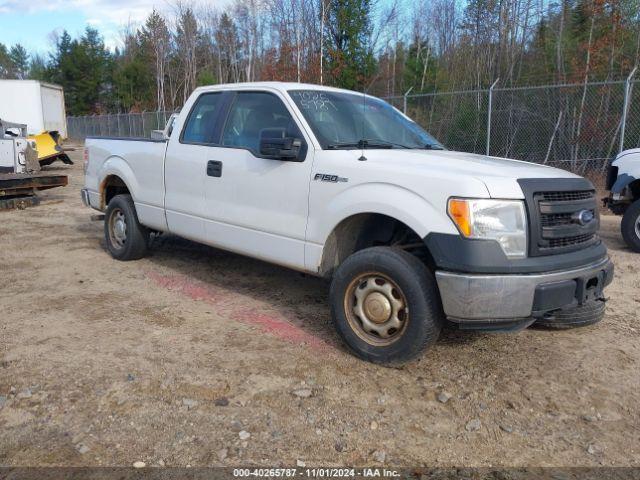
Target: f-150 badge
326 177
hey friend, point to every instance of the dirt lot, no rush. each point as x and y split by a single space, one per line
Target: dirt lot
194 356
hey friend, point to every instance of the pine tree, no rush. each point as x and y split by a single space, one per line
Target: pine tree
38 68
349 54
84 69
155 41
19 59
5 62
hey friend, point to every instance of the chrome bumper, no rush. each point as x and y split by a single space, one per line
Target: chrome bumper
84 193
496 298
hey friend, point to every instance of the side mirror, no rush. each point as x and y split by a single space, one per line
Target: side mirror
158 135
275 145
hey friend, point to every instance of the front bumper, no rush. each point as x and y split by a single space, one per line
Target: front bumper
497 299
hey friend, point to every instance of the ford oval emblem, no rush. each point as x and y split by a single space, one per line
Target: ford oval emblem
583 217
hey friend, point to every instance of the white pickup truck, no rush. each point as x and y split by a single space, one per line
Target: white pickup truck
342 185
623 182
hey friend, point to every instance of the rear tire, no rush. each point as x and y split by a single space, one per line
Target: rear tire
630 226
385 305
581 316
125 237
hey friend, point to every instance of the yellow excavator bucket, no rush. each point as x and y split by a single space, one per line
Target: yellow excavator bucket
49 149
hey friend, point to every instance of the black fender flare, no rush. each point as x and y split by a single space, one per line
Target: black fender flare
621 182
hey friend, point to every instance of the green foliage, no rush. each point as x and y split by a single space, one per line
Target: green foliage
5 62
133 83
19 59
133 74
38 68
14 62
83 68
205 77
419 68
349 54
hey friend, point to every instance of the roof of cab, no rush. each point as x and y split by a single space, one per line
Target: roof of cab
281 86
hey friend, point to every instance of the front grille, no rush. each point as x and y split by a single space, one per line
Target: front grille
555 219
556 211
568 241
566 196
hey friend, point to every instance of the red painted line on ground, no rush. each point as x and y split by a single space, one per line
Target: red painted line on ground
188 287
281 328
273 324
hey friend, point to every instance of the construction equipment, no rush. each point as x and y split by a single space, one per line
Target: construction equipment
49 148
20 175
17 153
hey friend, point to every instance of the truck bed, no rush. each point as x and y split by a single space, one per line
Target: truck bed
137 160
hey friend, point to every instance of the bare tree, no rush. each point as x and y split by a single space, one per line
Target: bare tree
157 39
186 38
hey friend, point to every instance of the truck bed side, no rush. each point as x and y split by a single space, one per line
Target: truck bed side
136 163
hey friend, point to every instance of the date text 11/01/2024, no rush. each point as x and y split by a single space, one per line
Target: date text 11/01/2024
316 472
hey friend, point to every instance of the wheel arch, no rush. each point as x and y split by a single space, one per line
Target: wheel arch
117 178
335 231
634 187
628 165
368 229
625 180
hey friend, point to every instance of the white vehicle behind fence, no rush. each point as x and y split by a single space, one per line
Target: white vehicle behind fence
623 181
342 185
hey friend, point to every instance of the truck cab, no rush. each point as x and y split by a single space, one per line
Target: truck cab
343 185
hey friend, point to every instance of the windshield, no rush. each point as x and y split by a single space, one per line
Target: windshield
352 121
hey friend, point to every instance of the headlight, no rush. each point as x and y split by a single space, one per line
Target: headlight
501 220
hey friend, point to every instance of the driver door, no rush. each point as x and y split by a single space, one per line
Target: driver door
256 205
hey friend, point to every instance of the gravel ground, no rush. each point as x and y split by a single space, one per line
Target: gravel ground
194 356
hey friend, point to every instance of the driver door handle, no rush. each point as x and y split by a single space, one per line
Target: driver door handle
214 168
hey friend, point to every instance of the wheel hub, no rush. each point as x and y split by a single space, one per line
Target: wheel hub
377 307
118 229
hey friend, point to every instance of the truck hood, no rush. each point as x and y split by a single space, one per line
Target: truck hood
500 175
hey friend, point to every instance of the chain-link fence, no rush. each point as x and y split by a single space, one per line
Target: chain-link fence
135 125
578 127
456 119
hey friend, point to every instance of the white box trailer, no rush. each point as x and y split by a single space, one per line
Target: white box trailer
37 104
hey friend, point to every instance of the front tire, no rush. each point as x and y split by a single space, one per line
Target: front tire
630 226
385 305
125 237
581 316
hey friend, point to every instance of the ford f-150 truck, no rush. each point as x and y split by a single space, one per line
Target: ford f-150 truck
343 185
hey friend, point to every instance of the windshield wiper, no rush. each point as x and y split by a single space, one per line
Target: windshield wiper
365 143
432 146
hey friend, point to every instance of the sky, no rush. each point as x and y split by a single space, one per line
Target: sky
35 23
31 22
